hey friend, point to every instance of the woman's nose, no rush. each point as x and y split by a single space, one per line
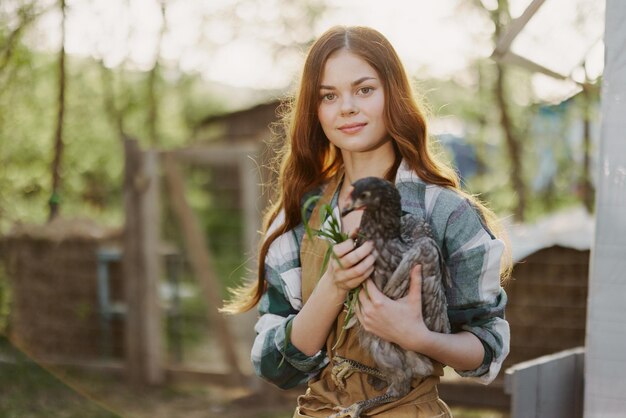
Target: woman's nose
349 107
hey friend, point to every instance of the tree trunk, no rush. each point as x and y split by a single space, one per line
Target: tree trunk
58 141
501 17
153 101
512 145
481 149
115 116
153 113
587 190
27 14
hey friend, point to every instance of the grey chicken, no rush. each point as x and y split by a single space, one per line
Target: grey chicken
401 242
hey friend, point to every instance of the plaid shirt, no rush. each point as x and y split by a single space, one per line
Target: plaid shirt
476 300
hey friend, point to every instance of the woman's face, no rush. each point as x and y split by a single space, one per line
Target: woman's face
352 102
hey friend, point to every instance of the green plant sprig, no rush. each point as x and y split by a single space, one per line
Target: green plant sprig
333 236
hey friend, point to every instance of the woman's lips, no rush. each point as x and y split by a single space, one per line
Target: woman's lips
352 128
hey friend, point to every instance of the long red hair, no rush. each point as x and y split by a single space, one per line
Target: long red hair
308 159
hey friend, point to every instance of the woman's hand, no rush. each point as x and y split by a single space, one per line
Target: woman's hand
354 265
312 324
399 321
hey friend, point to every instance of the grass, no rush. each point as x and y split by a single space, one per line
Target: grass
28 390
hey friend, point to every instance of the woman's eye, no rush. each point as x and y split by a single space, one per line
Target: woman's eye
365 90
329 97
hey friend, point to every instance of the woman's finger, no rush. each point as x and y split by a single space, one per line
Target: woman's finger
354 282
357 255
415 284
359 269
344 248
375 295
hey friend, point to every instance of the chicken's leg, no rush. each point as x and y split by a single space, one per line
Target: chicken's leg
355 410
344 367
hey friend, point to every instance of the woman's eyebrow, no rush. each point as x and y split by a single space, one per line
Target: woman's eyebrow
354 83
362 79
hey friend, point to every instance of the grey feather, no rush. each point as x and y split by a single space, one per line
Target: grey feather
402 242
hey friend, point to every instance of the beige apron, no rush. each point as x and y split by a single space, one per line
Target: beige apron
322 395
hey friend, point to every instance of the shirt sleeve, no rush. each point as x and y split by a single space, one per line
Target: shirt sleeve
274 358
476 301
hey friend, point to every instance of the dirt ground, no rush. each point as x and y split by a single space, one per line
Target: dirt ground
189 401
209 401
29 390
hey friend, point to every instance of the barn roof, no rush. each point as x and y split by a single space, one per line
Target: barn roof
572 228
247 112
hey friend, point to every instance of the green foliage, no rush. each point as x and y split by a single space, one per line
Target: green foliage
92 166
193 322
333 235
220 217
93 159
28 390
469 100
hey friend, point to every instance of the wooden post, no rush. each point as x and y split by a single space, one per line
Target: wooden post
141 266
151 242
250 198
547 387
200 259
605 362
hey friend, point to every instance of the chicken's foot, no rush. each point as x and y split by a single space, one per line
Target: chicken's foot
343 368
355 410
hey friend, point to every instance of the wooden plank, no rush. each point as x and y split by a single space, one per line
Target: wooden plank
132 263
201 262
217 154
140 263
250 176
579 384
251 199
555 395
558 317
605 362
152 317
523 391
547 387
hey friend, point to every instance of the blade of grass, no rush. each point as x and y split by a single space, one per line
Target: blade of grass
326 260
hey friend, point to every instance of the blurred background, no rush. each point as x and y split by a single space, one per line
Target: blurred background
134 142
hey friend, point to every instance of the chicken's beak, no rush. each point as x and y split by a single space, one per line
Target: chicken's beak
348 208
352 206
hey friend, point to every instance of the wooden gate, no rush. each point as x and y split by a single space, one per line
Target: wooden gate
142 262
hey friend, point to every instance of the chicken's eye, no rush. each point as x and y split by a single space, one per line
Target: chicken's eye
365 194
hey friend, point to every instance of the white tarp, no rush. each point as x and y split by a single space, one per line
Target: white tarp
605 359
571 228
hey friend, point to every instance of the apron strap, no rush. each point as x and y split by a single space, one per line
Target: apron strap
312 252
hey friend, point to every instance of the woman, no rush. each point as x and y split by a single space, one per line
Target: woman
355 116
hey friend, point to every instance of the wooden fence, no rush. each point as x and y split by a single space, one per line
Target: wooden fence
142 262
547 387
